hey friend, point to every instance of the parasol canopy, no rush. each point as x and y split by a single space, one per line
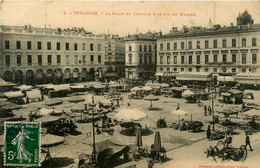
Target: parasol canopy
11 106
77 87
44 111
135 89
50 140
164 85
25 87
252 112
98 86
79 107
227 110
47 119
138 140
53 102
151 98
187 94
130 114
15 94
147 88
179 112
76 99
157 142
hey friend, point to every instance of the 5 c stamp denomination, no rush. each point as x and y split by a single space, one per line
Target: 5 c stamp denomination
22 144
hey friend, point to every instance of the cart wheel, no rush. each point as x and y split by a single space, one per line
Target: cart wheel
243 153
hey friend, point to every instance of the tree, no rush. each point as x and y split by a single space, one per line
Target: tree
246 18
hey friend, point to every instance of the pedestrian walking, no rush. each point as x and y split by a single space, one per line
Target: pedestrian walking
248 142
205 110
209 110
178 106
208 132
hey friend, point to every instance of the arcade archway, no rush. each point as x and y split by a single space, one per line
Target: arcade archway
67 75
49 76
8 76
19 77
29 77
39 76
91 74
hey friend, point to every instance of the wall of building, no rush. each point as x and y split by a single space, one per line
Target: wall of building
140 58
223 53
84 60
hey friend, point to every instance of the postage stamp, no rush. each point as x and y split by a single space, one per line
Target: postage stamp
22 144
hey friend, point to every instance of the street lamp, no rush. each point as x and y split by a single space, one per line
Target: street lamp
93 105
224 71
212 101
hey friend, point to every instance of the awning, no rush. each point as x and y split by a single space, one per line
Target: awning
194 78
77 87
191 76
14 94
4 83
226 78
225 94
159 74
234 91
61 87
248 78
34 94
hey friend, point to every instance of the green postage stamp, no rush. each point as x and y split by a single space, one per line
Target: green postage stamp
22 144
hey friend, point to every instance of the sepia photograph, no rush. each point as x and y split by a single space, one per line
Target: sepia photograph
129 84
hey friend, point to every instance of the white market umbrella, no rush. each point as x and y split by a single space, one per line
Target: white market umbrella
147 88
164 85
44 111
135 89
187 94
151 98
253 112
130 114
24 87
179 113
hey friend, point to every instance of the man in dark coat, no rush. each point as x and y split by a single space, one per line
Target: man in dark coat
208 132
248 142
209 110
205 110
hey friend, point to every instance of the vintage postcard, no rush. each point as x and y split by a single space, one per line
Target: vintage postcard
125 84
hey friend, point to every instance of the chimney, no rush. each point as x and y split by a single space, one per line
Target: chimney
248 25
185 29
160 33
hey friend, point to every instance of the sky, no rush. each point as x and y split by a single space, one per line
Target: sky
124 17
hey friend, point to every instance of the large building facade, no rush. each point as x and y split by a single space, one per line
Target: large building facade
214 55
115 58
140 56
43 55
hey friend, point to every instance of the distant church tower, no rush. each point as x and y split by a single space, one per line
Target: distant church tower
239 20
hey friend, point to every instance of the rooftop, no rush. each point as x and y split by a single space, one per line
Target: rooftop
217 29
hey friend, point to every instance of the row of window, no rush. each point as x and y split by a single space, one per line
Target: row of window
234 70
49 59
49 46
215 59
206 44
142 48
145 48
